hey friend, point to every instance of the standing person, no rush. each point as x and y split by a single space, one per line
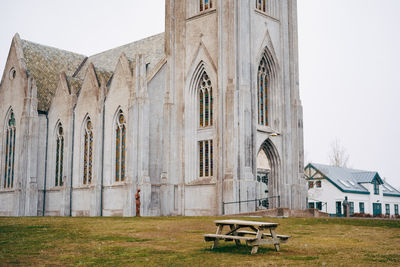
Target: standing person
137 197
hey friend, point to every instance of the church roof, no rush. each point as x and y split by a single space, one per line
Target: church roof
45 64
350 180
74 84
152 48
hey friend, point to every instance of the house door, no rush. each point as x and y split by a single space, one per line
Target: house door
377 208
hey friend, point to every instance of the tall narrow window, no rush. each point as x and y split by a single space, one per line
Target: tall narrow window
376 187
262 92
59 156
9 161
260 4
120 147
206 167
205 102
205 4
88 152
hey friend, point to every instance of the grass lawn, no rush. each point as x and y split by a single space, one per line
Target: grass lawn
178 241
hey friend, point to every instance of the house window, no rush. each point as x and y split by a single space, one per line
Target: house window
59 156
396 209
205 4
338 208
262 92
351 208
362 210
206 167
310 185
319 205
88 152
318 184
205 102
9 150
120 146
311 205
387 208
376 187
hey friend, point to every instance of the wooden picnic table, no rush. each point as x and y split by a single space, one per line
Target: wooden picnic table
255 234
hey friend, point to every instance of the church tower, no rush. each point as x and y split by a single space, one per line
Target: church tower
232 114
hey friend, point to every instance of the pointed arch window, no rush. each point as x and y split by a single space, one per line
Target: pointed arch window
88 152
205 142
120 147
9 163
59 156
262 92
205 4
205 102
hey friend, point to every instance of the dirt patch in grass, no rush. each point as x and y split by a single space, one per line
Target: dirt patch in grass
178 241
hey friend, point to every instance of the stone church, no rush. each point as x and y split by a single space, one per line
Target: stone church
201 118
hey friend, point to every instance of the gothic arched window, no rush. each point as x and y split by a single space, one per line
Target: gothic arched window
59 155
262 92
88 152
205 147
205 4
205 101
9 151
120 146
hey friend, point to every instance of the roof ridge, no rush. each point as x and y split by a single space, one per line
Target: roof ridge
52 47
137 41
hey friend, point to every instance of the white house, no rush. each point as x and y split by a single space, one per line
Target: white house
366 192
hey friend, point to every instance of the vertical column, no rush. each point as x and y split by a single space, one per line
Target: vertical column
143 135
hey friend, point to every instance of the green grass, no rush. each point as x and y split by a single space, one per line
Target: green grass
178 241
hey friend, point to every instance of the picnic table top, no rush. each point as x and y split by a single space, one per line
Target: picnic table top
245 223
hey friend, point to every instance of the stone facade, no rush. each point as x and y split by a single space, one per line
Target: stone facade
201 115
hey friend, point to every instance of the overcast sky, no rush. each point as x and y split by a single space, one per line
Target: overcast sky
349 63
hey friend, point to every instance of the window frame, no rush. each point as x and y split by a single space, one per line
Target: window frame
116 125
351 208
202 5
361 207
376 187
87 163
339 208
264 82
396 209
59 155
205 131
10 132
387 209
310 184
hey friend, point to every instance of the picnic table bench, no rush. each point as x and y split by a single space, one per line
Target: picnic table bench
254 236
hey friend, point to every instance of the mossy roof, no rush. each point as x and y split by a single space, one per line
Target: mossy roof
152 48
45 64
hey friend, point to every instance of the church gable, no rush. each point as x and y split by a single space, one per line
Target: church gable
91 87
63 93
122 78
14 81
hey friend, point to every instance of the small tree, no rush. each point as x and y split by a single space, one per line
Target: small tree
338 155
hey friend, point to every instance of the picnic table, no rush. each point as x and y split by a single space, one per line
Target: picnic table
253 233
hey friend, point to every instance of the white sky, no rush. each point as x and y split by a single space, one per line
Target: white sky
349 63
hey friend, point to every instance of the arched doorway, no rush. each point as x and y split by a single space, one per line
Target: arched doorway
268 176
